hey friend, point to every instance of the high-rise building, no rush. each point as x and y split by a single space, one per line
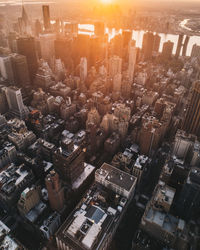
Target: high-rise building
24 23
29 198
195 51
156 44
192 119
26 46
94 221
179 46
99 29
132 60
83 69
15 102
46 17
69 160
117 82
188 203
55 191
6 68
185 45
38 28
115 66
47 46
167 49
148 45
20 70
127 36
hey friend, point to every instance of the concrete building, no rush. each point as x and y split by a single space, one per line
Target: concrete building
47 46
167 49
29 198
50 225
115 66
6 68
13 181
68 161
96 221
55 191
192 119
83 69
15 102
132 60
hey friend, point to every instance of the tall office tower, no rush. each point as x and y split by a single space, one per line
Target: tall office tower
38 28
185 45
47 46
126 36
115 66
6 68
192 119
179 46
46 17
20 70
167 49
55 191
117 46
12 41
63 51
26 46
68 161
99 28
156 44
117 82
24 23
15 102
3 101
81 47
147 45
195 51
132 59
83 69
188 204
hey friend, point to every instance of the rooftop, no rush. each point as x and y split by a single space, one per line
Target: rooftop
95 216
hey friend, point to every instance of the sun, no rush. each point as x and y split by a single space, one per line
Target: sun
106 1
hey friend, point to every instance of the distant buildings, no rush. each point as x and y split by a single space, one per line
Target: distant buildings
167 49
46 18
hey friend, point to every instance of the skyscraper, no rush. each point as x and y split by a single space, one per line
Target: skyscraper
115 66
156 44
46 17
167 49
179 46
26 46
6 68
83 69
15 102
185 45
192 119
55 191
132 59
99 28
24 24
20 70
47 46
147 45
195 51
